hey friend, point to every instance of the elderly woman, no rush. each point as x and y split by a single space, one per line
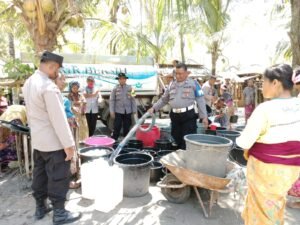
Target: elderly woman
60 81
14 114
295 190
78 107
272 140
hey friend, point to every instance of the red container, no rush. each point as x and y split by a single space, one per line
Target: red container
148 138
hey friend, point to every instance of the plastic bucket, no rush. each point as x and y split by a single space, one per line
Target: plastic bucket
100 140
136 168
237 155
210 153
91 153
135 144
163 144
156 172
129 150
240 128
150 151
162 153
148 138
230 134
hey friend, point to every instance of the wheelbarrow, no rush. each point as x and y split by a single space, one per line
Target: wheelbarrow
176 186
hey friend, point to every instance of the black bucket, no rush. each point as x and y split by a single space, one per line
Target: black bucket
129 150
91 153
136 167
237 155
156 172
150 151
233 119
163 144
162 153
240 128
230 134
135 144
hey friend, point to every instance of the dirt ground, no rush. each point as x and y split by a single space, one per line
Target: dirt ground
17 208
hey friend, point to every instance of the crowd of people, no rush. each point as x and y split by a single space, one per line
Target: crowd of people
58 123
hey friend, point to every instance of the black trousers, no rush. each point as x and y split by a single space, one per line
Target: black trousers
121 120
51 175
183 124
91 119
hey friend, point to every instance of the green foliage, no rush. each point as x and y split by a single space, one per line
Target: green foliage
17 70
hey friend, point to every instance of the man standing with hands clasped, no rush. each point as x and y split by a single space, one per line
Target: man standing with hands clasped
121 106
181 94
52 140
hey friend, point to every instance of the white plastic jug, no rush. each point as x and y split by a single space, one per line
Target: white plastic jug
88 180
109 193
103 183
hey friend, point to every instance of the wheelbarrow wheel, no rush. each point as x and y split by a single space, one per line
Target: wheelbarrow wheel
175 195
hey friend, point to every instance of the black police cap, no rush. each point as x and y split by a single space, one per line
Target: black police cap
121 75
49 56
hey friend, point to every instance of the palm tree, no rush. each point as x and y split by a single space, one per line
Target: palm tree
295 31
214 20
45 19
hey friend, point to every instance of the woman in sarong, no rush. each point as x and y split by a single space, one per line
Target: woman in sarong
78 107
295 190
272 142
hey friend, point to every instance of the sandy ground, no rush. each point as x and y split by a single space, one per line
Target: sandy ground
17 208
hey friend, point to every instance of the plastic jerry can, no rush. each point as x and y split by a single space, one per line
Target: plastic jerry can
109 192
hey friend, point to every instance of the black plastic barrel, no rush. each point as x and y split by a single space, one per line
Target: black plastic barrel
91 153
163 144
156 172
237 156
150 151
230 134
240 128
135 144
162 153
136 167
129 150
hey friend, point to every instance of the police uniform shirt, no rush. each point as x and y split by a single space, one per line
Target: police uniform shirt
121 100
46 116
181 95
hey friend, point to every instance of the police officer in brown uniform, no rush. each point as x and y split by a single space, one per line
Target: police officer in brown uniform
121 106
181 94
51 140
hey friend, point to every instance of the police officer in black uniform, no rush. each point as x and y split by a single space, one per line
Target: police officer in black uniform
181 94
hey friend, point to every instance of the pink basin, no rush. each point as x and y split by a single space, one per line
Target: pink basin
99 141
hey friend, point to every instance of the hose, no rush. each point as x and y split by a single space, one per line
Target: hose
131 133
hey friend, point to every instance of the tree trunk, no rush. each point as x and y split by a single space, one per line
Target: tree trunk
44 42
214 57
295 32
11 46
113 18
83 40
182 47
